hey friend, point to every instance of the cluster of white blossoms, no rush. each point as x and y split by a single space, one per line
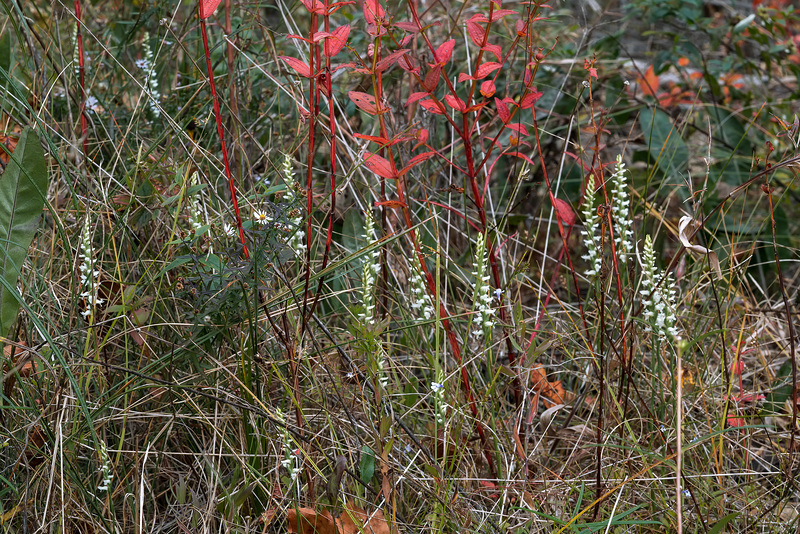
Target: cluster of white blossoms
297 241
658 302
88 273
482 295
440 406
105 468
146 64
591 223
369 273
623 224
420 300
76 64
292 461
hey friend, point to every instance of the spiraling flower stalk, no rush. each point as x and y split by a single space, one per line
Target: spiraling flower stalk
623 224
591 224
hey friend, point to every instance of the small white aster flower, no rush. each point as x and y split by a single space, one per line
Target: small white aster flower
261 217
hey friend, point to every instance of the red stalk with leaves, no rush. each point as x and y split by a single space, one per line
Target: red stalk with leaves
206 9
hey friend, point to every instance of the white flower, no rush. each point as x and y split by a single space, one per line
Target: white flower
482 292
297 240
369 272
88 273
92 104
591 223
261 217
150 78
658 302
623 223
421 300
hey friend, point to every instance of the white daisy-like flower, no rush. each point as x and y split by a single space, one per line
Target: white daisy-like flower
261 217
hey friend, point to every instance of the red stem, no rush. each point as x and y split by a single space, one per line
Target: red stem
221 134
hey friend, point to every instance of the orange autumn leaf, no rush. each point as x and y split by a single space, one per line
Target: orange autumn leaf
552 392
9 143
649 82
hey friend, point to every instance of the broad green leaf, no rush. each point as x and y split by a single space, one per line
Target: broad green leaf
664 142
23 186
367 465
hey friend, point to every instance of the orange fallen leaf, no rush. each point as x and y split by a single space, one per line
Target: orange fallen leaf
552 392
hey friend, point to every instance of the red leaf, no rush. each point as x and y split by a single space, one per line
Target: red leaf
422 137
376 139
520 128
392 204
475 107
488 89
431 106
521 27
314 6
301 68
530 99
333 8
407 26
379 166
502 110
365 102
444 52
373 11
500 13
389 60
455 102
494 49
564 211
356 68
486 69
207 8
337 40
476 32
432 79
408 64
319 36
414 97
299 37
416 160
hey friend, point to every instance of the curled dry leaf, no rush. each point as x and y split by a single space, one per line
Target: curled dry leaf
685 226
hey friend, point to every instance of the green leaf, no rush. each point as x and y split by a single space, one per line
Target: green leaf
366 467
664 142
23 186
722 523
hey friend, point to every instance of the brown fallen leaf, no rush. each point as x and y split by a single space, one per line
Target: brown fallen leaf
353 520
